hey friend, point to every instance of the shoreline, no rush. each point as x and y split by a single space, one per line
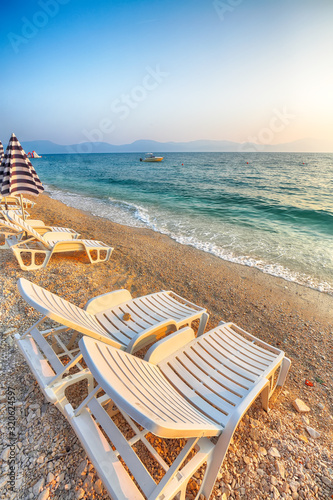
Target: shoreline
272 269
293 317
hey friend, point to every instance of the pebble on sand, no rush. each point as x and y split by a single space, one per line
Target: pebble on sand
300 406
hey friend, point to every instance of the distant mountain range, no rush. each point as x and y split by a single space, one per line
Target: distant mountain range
204 146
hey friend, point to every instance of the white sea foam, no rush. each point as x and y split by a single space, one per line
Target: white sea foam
133 215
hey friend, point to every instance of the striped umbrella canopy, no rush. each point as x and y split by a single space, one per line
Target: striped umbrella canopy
17 175
1 151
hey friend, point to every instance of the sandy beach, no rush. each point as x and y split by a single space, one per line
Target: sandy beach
50 462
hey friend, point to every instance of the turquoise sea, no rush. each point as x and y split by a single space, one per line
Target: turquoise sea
273 211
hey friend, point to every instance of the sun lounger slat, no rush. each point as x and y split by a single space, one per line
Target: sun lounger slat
221 373
112 320
214 381
176 302
166 397
204 392
248 349
148 385
112 328
216 350
62 311
235 331
248 364
170 307
190 395
241 377
138 308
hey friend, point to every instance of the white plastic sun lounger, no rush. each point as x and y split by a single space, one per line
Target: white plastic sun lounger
12 201
17 210
191 388
40 226
37 246
9 229
115 318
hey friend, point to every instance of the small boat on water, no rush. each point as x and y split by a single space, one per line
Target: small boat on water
33 155
151 157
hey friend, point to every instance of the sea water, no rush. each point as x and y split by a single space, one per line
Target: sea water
272 211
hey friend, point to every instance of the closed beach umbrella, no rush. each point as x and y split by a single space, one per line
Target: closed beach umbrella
17 175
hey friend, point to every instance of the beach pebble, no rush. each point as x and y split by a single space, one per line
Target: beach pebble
50 477
3 482
80 493
274 480
274 452
98 487
262 451
60 478
327 481
294 485
305 419
37 487
300 406
44 494
40 459
88 482
5 454
82 469
280 468
313 433
255 434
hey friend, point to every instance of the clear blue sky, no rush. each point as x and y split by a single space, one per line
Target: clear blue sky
118 71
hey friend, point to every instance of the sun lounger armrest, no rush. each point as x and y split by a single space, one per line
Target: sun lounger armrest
169 345
151 334
57 236
107 301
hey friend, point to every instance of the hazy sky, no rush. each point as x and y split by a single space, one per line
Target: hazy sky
118 71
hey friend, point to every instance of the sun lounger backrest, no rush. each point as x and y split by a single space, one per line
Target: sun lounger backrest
26 227
61 310
10 225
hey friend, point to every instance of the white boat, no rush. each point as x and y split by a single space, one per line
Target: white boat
151 157
33 155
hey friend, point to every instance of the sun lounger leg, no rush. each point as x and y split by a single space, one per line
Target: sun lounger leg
217 457
55 393
99 258
202 325
283 372
265 395
32 266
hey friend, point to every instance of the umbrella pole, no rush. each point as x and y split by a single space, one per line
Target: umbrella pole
25 235
23 214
